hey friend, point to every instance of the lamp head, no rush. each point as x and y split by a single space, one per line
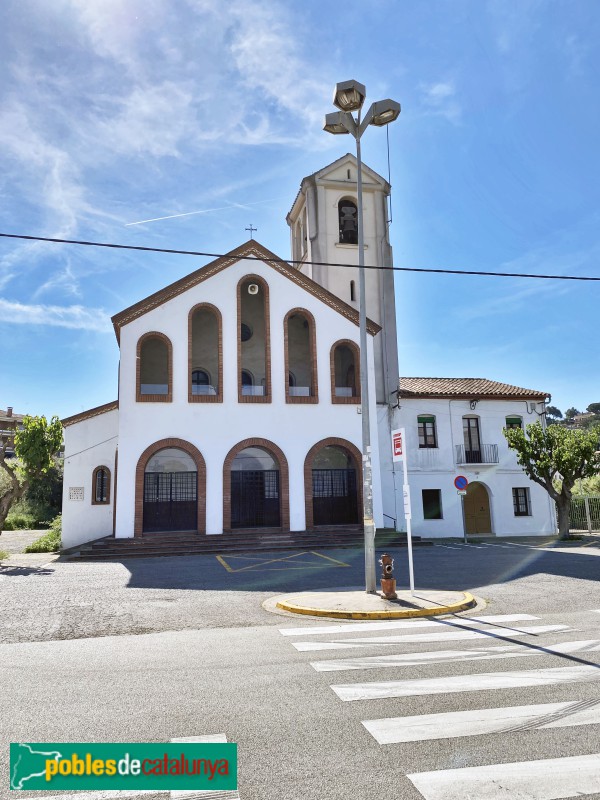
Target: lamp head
334 123
384 112
349 95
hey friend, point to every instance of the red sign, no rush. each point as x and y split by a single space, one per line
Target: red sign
461 482
397 444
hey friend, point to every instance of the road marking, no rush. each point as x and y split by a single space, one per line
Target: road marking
466 683
350 627
289 562
549 779
417 638
455 724
448 546
204 794
449 656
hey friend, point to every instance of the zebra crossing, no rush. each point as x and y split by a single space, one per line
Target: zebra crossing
499 640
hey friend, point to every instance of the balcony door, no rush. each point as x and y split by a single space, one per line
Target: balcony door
472 440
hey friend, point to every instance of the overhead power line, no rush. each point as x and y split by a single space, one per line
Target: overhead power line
313 263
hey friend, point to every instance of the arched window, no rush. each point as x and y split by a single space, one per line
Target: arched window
101 486
154 368
300 357
204 357
345 372
254 354
255 486
348 219
170 488
332 484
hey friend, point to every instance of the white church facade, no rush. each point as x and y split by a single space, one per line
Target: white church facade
239 402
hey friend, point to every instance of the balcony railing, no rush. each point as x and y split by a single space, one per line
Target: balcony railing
484 454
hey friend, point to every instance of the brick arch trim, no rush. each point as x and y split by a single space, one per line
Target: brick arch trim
207 398
109 478
284 480
153 398
332 441
356 352
198 458
243 398
312 339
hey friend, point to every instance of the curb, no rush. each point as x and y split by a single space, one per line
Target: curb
468 601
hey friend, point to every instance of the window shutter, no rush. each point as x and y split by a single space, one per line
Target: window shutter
513 421
426 419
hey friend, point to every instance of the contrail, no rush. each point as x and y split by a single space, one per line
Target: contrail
203 211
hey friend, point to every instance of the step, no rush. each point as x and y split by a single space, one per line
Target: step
215 549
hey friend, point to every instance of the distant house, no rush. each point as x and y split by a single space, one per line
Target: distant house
454 426
580 420
10 423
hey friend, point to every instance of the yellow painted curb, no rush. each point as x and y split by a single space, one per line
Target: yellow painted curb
468 601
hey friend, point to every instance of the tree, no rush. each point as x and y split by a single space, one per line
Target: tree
35 447
553 414
557 452
571 412
593 408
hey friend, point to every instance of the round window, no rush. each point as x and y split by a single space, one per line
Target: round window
245 332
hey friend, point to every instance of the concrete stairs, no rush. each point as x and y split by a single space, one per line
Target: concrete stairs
186 544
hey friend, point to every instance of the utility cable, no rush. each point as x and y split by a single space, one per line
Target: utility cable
292 261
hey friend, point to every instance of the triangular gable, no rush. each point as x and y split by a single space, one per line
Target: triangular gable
253 250
340 163
326 173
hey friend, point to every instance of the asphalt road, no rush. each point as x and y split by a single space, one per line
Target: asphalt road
158 649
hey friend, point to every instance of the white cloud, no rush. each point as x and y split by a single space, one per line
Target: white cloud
439 99
75 317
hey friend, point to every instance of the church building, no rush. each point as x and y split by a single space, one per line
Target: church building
239 402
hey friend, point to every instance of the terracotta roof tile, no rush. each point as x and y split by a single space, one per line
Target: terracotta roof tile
465 388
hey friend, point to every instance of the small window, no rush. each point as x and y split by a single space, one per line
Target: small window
352 291
514 422
101 486
247 379
432 503
427 433
521 502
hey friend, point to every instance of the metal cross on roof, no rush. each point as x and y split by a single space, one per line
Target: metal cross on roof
251 229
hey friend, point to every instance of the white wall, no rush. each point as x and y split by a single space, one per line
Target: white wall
436 468
88 444
214 428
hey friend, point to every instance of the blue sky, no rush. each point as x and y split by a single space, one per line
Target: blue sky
116 111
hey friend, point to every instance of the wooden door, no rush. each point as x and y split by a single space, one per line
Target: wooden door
478 519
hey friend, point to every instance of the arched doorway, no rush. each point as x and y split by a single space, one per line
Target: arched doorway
170 488
256 487
478 519
333 484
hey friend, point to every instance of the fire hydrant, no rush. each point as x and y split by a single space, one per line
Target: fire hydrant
388 582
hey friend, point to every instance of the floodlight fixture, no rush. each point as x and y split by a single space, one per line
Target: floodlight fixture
349 95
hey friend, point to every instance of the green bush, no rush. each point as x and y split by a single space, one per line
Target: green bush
49 542
3 555
21 522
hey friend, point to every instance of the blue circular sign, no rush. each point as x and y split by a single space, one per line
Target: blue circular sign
461 482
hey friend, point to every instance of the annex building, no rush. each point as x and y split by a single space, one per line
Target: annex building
239 404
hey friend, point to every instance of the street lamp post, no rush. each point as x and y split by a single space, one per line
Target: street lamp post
349 96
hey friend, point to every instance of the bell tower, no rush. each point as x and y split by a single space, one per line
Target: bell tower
324 228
